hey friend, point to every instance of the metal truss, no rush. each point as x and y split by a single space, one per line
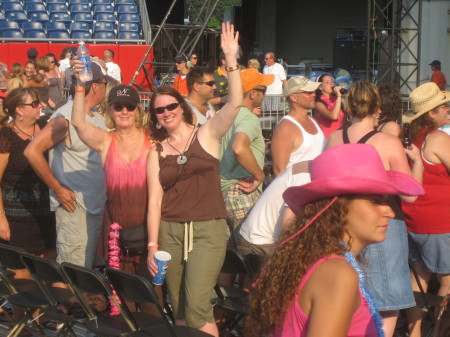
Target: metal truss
394 42
169 40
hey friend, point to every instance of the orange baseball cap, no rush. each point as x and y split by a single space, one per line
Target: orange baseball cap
251 78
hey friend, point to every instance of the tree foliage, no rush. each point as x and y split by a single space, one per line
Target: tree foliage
217 16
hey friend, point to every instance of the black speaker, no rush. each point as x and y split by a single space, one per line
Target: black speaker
157 10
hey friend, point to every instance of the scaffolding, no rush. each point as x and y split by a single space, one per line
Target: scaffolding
169 40
394 37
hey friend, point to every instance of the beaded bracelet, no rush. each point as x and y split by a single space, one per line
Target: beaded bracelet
229 69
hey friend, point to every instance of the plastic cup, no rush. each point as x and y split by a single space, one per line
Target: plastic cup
162 260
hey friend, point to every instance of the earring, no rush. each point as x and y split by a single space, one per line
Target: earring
348 118
21 117
158 126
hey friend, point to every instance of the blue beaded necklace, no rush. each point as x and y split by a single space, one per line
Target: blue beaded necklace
365 292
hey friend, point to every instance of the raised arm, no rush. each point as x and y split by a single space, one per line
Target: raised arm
155 194
53 133
219 125
89 134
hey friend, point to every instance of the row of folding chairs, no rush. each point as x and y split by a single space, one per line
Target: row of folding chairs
114 285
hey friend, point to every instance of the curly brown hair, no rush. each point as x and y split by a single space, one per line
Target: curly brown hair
391 102
282 273
161 134
424 122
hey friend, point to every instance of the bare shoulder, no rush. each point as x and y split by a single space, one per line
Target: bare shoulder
438 137
334 139
392 128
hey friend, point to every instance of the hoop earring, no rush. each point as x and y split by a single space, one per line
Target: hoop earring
158 126
348 118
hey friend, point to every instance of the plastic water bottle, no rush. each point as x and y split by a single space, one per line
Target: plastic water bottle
84 55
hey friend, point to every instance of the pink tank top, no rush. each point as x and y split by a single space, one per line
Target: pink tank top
296 321
327 125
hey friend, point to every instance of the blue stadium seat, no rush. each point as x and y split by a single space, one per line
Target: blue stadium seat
58 35
35 34
129 18
128 27
12 7
80 27
101 2
103 9
32 25
80 35
83 17
17 16
103 17
36 7
104 35
104 27
15 34
61 17
123 9
38 17
124 2
32 1
80 8
56 2
128 36
8 25
55 26
57 8
78 2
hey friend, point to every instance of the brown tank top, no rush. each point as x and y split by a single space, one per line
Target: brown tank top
191 191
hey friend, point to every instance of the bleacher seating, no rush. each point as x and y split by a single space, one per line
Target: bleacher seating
70 19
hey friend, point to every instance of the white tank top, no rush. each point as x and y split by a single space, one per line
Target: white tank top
312 145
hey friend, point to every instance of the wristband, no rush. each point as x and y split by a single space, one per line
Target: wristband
80 90
152 244
229 69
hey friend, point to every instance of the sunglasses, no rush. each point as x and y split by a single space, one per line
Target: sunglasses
119 107
180 62
170 107
194 58
260 90
210 83
53 61
33 104
267 58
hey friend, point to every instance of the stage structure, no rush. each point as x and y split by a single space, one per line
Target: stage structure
393 46
169 40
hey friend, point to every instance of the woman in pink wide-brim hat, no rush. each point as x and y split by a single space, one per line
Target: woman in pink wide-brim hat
312 283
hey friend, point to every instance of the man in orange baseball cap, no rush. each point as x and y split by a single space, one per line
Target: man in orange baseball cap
242 152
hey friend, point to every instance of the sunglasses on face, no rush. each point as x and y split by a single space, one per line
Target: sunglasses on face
194 58
53 61
119 107
33 104
210 83
170 107
180 62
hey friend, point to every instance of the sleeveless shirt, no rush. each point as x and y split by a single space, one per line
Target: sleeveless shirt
308 149
191 191
296 322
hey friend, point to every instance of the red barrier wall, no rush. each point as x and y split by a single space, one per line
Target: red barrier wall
128 57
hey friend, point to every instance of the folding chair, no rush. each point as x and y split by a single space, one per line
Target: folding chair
138 289
232 300
46 272
28 296
84 280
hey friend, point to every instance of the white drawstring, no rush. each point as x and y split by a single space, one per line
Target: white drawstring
188 242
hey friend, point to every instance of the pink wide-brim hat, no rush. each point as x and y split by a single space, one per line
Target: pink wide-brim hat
350 169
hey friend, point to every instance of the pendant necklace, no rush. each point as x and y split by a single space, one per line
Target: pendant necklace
26 134
182 159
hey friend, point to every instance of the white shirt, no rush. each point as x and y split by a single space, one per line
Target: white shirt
276 88
113 70
64 64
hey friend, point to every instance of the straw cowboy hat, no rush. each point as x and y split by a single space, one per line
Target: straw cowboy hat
425 98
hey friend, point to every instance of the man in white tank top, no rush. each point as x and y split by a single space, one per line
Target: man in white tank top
288 135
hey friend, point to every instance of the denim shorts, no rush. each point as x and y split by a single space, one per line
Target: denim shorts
387 270
432 249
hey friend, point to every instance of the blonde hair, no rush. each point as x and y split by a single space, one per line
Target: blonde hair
138 122
254 63
363 99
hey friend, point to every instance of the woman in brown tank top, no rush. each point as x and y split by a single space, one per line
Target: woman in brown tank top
186 210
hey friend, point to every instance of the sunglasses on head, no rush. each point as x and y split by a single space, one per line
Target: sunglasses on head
170 107
33 104
119 107
210 83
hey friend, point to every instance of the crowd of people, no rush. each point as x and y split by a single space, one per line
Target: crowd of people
349 202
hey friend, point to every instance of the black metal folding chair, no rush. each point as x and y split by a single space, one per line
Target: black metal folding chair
233 300
88 281
137 289
46 272
29 296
